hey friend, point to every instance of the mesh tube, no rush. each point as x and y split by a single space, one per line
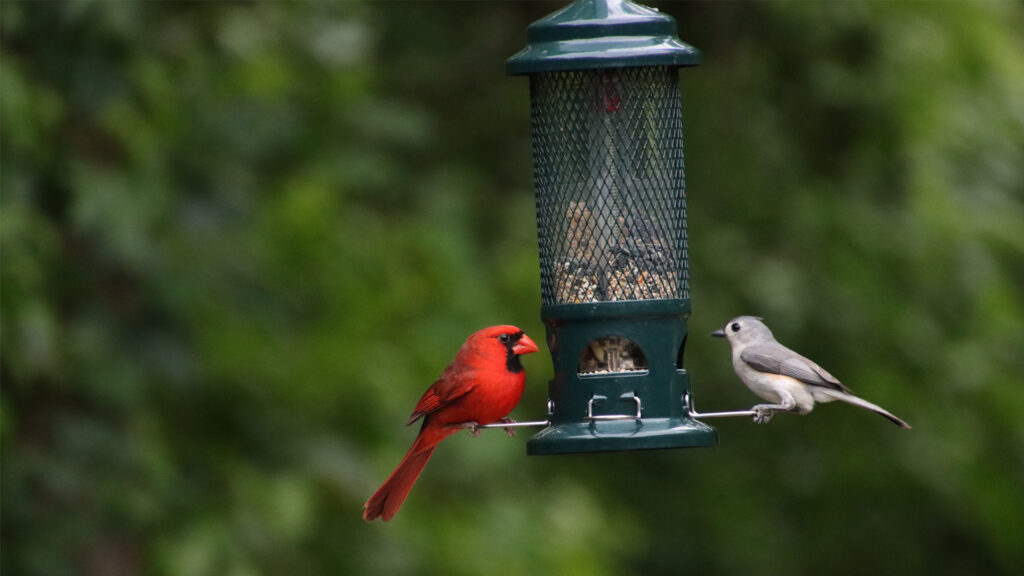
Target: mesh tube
608 173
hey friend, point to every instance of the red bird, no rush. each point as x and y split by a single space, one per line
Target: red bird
481 386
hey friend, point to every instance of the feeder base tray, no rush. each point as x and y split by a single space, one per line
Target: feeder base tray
616 435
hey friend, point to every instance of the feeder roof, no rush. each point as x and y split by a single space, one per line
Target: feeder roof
589 34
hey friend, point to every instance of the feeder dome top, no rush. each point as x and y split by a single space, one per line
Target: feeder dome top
589 34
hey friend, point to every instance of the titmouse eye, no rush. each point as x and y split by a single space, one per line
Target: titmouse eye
735 327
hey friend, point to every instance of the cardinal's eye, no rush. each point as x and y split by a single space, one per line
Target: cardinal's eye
504 338
735 327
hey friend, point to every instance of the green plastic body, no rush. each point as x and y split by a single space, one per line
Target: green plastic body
608 174
590 34
659 328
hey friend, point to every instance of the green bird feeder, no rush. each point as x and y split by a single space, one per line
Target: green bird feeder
611 225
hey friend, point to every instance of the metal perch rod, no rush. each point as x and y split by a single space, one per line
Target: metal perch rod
692 411
687 400
517 424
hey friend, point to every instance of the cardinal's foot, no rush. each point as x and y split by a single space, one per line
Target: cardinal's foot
473 427
509 430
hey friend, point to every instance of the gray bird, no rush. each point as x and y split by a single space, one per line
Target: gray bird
779 375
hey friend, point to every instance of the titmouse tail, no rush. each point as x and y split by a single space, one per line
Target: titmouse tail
851 399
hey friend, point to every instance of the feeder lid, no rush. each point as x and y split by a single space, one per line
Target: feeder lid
589 34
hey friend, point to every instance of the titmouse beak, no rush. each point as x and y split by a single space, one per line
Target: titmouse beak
718 333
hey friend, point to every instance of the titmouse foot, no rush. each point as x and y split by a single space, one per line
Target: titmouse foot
510 431
763 414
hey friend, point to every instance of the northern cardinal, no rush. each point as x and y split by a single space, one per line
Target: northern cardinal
481 385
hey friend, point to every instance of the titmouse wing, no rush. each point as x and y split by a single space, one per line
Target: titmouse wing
777 359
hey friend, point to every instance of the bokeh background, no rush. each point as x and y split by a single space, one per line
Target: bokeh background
240 239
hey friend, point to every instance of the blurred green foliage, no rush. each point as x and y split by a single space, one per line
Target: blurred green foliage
239 240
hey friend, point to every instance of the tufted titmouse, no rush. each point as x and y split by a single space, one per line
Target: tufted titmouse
782 376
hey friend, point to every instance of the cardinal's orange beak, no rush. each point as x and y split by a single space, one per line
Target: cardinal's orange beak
525 345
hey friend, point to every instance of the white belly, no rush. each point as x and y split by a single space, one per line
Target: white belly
775 387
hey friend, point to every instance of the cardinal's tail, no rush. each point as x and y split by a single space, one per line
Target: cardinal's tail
386 501
851 399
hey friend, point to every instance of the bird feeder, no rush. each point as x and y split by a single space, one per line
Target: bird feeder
611 224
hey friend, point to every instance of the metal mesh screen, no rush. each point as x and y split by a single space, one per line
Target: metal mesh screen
611 198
